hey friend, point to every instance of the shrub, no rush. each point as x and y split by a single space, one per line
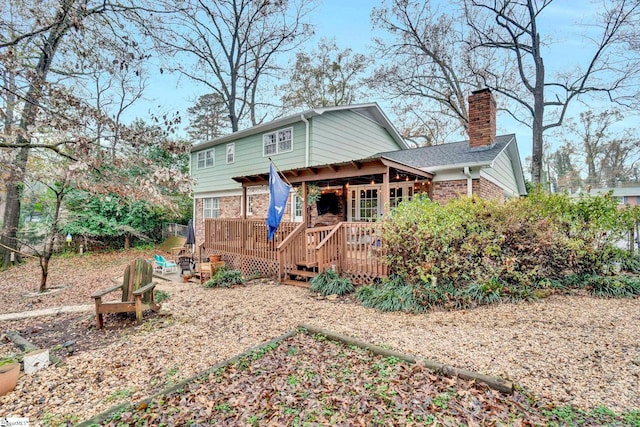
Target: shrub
609 286
392 294
330 283
224 278
520 243
160 296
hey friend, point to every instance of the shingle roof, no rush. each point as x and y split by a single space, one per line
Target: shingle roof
456 153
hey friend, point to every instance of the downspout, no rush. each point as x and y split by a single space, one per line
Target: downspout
467 173
306 140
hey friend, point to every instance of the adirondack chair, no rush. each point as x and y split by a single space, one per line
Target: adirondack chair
137 293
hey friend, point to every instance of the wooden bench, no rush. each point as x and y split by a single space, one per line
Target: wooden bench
137 293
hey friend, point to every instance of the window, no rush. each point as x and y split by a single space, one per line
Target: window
399 194
211 207
296 208
364 202
231 153
277 142
206 159
250 205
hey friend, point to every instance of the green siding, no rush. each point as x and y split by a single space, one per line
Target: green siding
502 171
248 161
341 136
335 137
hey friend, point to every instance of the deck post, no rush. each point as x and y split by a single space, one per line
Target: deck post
243 202
385 192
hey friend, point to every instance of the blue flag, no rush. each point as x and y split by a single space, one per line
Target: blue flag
278 195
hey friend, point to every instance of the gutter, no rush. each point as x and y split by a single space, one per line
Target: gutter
467 173
306 140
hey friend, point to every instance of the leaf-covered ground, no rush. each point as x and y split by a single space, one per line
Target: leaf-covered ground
306 380
566 350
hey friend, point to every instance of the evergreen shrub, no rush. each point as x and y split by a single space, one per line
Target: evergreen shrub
330 283
224 278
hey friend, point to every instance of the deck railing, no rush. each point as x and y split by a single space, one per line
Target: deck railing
354 249
244 237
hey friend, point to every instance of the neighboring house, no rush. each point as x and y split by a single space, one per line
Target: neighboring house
625 195
360 166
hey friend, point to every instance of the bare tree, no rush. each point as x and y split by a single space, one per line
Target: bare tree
609 156
231 46
426 68
324 77
512 27
43 86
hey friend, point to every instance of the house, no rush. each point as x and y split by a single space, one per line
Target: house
628 195
353 165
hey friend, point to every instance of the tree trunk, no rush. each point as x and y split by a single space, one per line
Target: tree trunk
14 182
14 188
127 241
44 268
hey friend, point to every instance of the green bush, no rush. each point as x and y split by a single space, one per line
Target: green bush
330 283
474 251
392 294
613 286
160 296
224 278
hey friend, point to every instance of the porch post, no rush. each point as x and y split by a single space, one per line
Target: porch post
386 199
243 203
305 205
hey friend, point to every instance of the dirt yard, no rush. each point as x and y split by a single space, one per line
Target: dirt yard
569 349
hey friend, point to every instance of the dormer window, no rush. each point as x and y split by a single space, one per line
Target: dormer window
277 142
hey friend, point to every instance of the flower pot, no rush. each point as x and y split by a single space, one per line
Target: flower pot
8 377
215 258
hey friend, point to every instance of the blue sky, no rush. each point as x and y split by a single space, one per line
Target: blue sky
348 21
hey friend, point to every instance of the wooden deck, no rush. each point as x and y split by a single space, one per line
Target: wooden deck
353 249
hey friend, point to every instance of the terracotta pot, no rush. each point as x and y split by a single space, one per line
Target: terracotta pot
8 377
215 258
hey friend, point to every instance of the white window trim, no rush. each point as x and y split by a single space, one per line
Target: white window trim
212 208
294 201
205 158
276 133
231 146
250 204
378 187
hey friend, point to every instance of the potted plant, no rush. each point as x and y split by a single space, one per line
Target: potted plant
215 258
9 372
186 277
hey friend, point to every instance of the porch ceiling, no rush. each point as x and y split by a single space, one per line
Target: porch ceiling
353 172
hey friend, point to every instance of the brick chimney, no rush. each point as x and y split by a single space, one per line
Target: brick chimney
482 118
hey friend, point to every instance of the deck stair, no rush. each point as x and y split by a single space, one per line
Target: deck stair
302 275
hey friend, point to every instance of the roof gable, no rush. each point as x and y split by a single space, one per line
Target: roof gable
370 111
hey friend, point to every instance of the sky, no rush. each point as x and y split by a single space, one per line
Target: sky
348 21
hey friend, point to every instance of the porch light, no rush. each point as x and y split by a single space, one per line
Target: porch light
407 178
372 182
397 177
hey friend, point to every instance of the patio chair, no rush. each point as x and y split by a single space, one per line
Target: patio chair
137 293
164 266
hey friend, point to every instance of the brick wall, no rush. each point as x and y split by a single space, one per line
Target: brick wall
443 191
260 206
488 190
482 118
